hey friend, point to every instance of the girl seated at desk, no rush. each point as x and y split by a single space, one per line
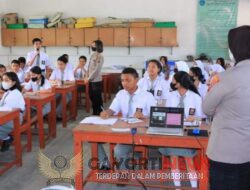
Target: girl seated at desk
184 95
12 98
62 76
38 84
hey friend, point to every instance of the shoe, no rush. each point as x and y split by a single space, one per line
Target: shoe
6 144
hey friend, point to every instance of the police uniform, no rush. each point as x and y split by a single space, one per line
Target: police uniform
11 99
42 60
33 86
191 102
66 75
159 87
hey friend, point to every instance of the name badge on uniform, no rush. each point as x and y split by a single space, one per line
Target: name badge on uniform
43 62
152 91
139 110
191 111
159 92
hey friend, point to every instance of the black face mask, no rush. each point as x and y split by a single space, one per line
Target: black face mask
172 85
175 70
34 79
93 48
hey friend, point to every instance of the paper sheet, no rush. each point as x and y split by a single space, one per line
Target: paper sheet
98 121
120 129
131 120
4 108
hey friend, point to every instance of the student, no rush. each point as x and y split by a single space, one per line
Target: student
62 76
221 62
165 66
69 65
199 80
130 102
94 76
80 71
23 65
15 67
185 95
12 98
2 71
38 83
200 64
37 57
153 83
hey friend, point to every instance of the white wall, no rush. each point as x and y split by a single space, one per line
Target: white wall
181 11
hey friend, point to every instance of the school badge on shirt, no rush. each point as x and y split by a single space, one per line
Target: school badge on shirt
191 111
159 92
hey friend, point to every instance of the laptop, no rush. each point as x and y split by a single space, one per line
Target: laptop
166 121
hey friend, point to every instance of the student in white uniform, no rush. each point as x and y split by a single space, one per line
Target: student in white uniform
221 62
15 67
153 83
37 57
165 66
80 71
199 80
2 71
12 98
185 95
69 65
62 76
38 84
130 102
200 64
23 65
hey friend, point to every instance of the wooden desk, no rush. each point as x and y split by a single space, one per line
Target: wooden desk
38 101
64 90
104 134
87 100
4 118
105 80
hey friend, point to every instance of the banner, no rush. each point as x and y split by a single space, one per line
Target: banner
214 19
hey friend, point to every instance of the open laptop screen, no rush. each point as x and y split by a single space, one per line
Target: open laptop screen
166 117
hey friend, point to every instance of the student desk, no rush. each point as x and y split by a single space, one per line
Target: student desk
64 90
106 89
99 133
4 118
39 100
87 100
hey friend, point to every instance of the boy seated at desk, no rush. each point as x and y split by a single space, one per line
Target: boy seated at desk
38 84
12 98
16 68
130 102
61 76
81 70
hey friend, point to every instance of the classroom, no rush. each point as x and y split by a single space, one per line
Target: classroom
124 94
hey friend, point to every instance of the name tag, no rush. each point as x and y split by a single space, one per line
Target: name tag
159 92
192 111
139 110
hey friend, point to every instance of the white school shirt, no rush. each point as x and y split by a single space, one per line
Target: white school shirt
192 100
57 74
25 69
202 89
35 87
80 73
141 100
13 99
69 66
160 87
44 60
161 75
21 75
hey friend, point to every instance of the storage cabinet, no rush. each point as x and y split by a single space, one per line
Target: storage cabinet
91 34
48 37
76 37
33 33
137 37
14 37
121 37
153 37
106 35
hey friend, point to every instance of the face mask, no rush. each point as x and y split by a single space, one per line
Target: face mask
34 79
231 56
93 48
175 70
172 85
6 85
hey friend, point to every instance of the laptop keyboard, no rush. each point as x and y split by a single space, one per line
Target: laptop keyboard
165 131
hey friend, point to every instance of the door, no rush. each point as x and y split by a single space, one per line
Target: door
76 37
153 37
8 36
137 37
21 37
91 34
169 37
106 35
33 33
49 37
121 37
62 37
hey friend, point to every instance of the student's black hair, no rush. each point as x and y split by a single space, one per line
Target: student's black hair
36 40
222 62
22 60
2 67
37 70
198 73
13 77
63 59
185 81
158 64
165 58
83 57
98 45
132 71
66 56
14 61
